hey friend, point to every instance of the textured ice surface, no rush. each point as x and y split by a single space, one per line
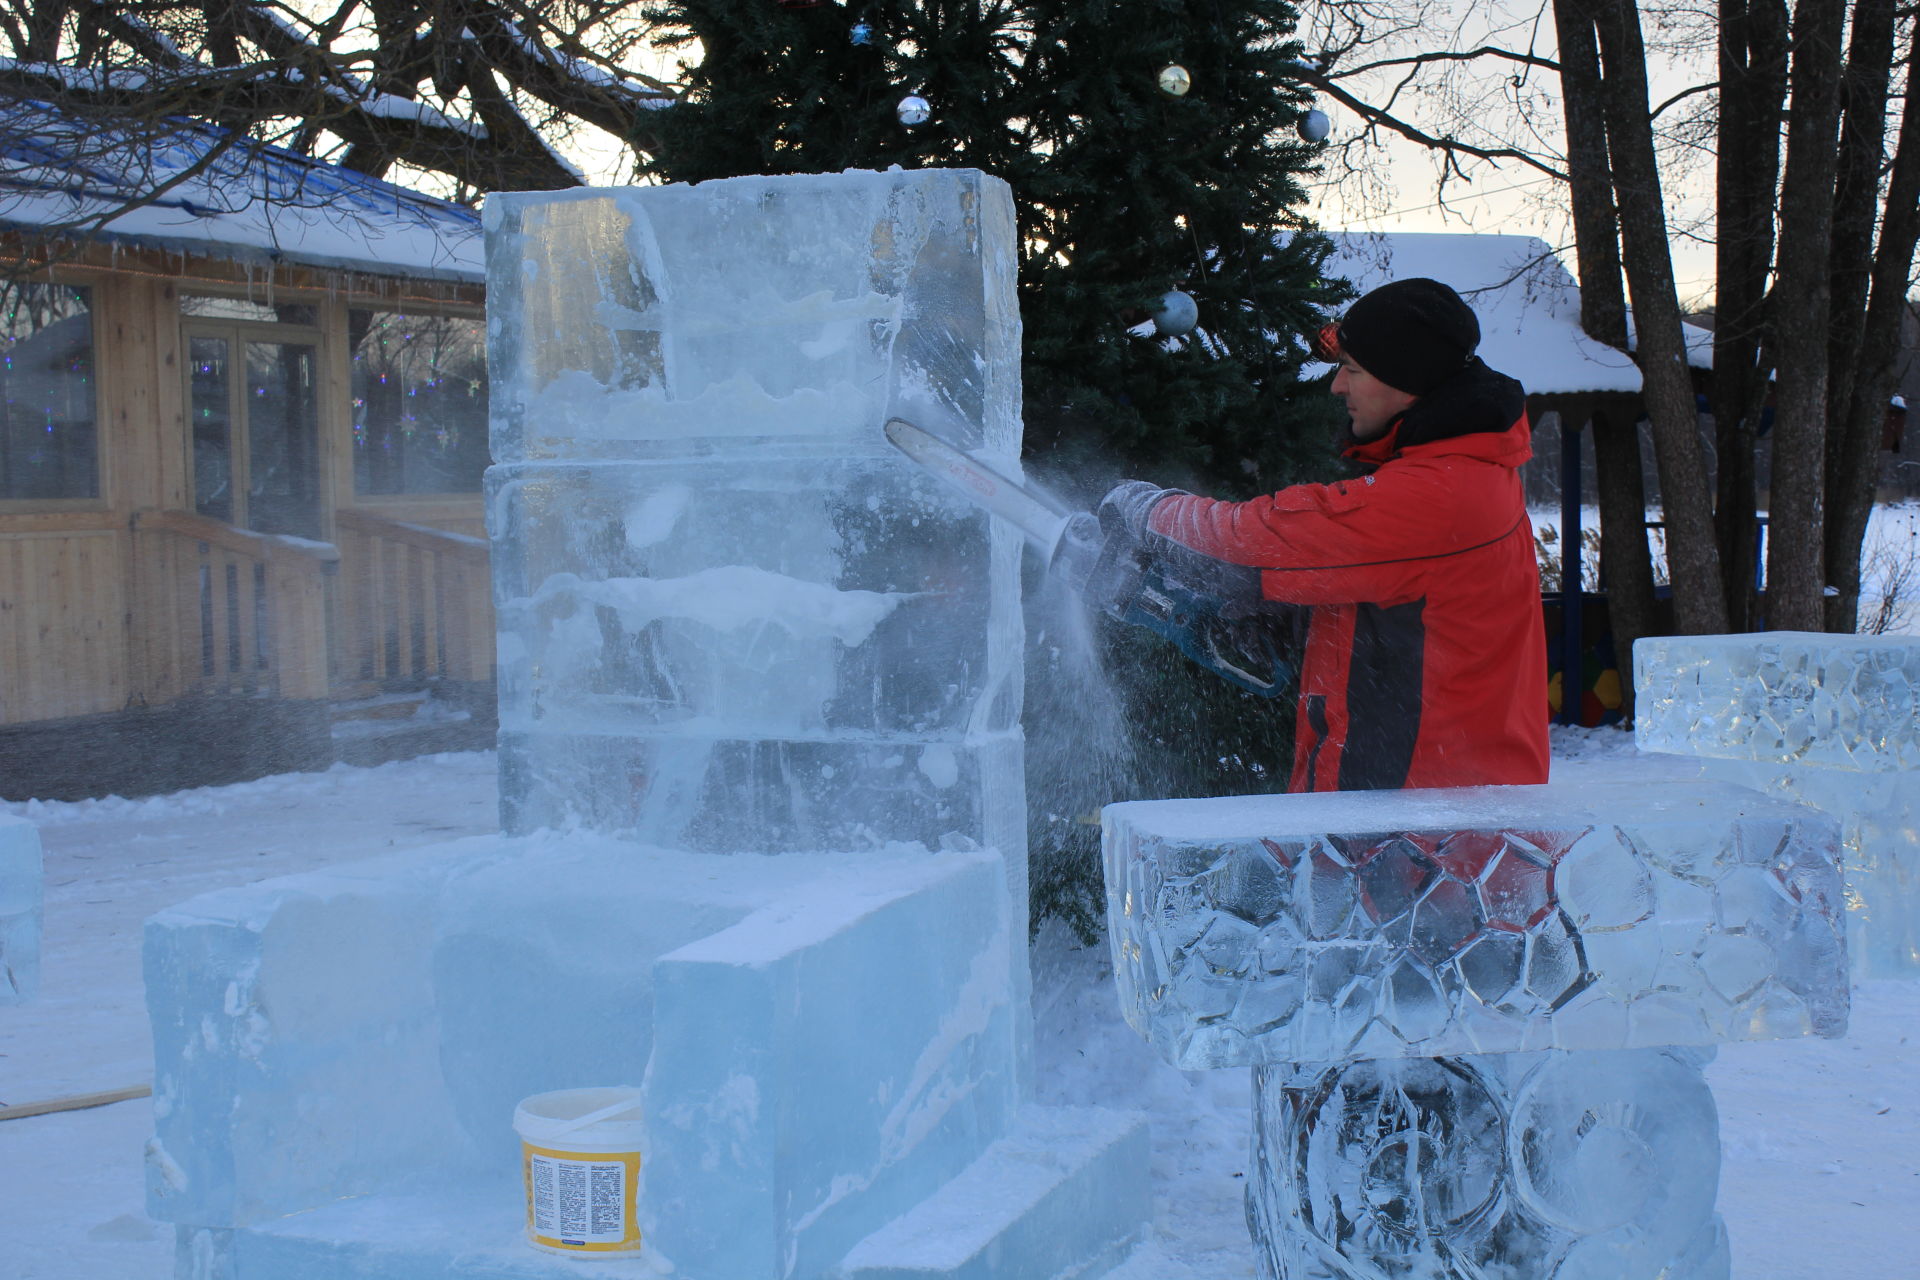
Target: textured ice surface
1319 928
1879 817
20 899
368 1029
731 614
1831 721
1595 1166
1782 696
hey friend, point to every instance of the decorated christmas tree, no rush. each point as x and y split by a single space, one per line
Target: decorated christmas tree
1154 149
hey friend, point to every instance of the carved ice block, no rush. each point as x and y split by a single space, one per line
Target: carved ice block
1831 721
1574 1166
1593 915
20 909
1783 696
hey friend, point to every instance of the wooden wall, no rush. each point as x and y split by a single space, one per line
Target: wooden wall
82 629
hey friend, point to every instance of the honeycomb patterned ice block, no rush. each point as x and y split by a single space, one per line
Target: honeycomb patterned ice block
1594 915
1781 696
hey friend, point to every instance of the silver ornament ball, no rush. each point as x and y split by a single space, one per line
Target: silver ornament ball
913 110
1315 126
1174 81
1177 313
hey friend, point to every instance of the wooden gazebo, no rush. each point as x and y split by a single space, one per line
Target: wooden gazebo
242 431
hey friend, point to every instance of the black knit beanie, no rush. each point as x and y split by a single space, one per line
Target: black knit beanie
1411 334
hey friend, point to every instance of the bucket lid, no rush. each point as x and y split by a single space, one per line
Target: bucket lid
610 1113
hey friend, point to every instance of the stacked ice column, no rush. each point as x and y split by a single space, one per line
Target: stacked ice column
1477 1017
20 897
732 615
1828 720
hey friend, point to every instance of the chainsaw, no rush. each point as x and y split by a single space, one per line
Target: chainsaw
1211 611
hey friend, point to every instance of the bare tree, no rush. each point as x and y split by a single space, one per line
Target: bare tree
481 94
1814 225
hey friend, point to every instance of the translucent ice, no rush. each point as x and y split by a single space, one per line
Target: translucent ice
1782 696
732 616
1330 927
1596 1166
1831 721
365 1031
20 898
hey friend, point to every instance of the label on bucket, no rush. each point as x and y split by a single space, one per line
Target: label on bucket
581 1200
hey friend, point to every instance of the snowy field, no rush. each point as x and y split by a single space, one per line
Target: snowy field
1822 1138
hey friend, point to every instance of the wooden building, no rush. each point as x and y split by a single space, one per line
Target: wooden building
242 431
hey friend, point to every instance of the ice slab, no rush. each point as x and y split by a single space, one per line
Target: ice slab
1035 1204
21 893
1879 817
780 598
368 1029
1579 1166
752 313
1781 696
1601 915
1067 1193
828 1062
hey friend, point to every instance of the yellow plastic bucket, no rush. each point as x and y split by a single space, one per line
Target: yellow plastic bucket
580 1156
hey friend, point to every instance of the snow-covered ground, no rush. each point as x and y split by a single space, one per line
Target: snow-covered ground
1822 1138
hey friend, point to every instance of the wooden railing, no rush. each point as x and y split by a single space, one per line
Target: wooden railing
414 604
220 610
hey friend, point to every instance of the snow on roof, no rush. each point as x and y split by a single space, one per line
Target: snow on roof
1524 296
251 203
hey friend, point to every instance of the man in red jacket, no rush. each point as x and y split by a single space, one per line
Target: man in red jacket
1425 661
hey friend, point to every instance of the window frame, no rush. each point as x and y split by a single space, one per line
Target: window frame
103 390
432 505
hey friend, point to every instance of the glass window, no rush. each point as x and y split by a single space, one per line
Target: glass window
419 402
208 306
48 440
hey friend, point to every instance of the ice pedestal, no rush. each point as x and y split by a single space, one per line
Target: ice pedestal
20 898
1477 1016
1827 720
761 778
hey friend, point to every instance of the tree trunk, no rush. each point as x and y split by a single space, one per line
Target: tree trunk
1693 558
1753 86
1626 566
1854 463
1800 309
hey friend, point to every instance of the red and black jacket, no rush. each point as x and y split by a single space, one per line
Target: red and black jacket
1426 662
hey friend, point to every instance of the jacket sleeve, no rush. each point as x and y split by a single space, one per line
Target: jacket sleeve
1371 540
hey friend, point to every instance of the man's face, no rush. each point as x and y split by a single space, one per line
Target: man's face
1371 403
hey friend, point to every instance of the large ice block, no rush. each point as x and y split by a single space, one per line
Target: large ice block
732 615
365 1032
1577 1166
1783 696
21 894
1333 927
1827 720
1879 817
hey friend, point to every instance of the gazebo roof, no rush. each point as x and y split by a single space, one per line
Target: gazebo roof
250 202
1527 302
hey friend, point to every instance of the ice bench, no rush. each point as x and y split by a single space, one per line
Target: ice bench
826 1043
1477 1017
